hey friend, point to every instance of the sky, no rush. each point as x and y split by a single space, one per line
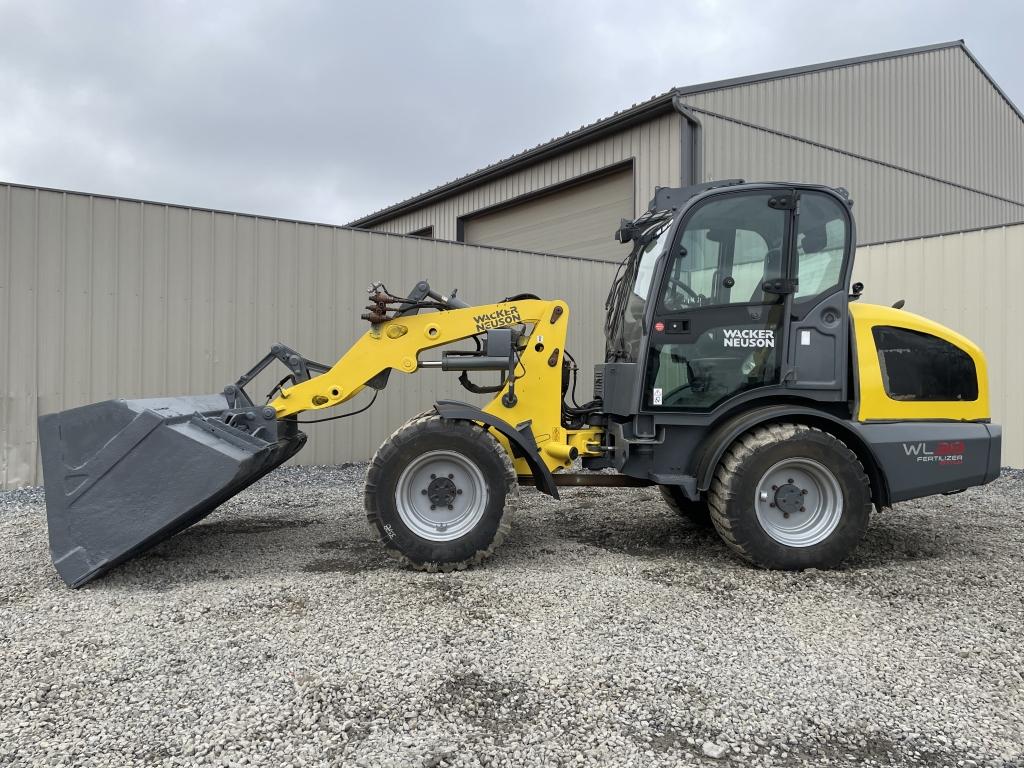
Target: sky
328 111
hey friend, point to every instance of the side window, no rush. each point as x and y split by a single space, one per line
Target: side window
919 366
695 270
752 265
727 249
820 245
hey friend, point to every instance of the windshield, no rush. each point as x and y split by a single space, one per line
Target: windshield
628 298
648 257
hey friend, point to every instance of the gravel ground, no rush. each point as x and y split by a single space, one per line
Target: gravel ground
607 631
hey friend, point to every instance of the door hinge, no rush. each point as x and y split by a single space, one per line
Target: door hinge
781 285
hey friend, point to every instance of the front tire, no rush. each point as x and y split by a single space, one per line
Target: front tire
440 493
788 496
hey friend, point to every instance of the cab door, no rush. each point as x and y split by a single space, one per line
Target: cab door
719 321
819 335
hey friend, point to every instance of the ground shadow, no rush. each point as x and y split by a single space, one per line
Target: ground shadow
233 546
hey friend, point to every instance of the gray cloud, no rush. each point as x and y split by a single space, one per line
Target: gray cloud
326 111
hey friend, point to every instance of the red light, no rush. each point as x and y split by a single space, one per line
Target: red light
659 326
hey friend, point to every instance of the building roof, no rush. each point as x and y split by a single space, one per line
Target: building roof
642 112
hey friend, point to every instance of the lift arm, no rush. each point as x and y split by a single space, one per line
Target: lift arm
533 394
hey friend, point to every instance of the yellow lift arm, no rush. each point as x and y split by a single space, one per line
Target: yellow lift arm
396 343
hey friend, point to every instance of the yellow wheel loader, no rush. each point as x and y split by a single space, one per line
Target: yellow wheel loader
741 375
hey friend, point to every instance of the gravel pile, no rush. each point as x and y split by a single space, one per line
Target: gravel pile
607 631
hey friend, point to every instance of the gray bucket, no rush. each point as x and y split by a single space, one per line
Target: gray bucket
123 475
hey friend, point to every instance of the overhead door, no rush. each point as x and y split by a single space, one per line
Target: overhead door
577 221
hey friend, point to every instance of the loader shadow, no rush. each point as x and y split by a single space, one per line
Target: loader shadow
243 547
348 557
888 542
647 530
246 547
617 522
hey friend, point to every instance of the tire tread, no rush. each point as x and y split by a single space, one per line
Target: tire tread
387 451
722 493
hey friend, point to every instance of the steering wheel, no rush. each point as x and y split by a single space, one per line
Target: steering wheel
698 298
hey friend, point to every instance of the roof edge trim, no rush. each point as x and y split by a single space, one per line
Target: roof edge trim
991 80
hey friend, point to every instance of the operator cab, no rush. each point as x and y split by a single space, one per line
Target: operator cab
726 285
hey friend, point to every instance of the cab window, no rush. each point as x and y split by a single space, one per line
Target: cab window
820 245
727 250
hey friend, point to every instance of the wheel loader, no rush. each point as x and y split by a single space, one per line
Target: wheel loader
742 375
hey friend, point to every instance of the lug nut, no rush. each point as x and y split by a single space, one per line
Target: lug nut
803 509
450 506
424 491
790 481
433 477
803 491
772 504
458 490
785 514
450 476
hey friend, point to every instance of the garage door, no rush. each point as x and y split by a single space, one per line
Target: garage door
578 221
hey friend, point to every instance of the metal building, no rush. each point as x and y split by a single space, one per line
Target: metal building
923 138
104 297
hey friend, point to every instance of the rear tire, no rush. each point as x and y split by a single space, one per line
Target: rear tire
439 493
788 496
696 512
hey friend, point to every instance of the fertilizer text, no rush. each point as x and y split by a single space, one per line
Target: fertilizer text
945 452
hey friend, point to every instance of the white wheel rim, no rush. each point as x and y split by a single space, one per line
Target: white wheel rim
441 495
799 502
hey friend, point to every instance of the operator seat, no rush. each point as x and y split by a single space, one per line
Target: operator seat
772 271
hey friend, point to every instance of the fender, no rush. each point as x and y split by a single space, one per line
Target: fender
520 438
725 433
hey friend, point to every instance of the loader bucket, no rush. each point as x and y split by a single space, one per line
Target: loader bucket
123 475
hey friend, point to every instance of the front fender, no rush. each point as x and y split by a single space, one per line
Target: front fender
520 438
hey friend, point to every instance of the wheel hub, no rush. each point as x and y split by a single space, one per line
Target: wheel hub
442 491
790 498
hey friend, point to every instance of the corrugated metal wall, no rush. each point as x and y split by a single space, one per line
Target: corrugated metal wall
888 204
970 282
102 298
933 112
653 147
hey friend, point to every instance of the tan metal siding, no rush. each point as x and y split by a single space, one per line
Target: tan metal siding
654 147
970 282
932 112
577 221
103 298
888 204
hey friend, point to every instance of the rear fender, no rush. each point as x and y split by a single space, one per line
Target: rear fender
725 434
